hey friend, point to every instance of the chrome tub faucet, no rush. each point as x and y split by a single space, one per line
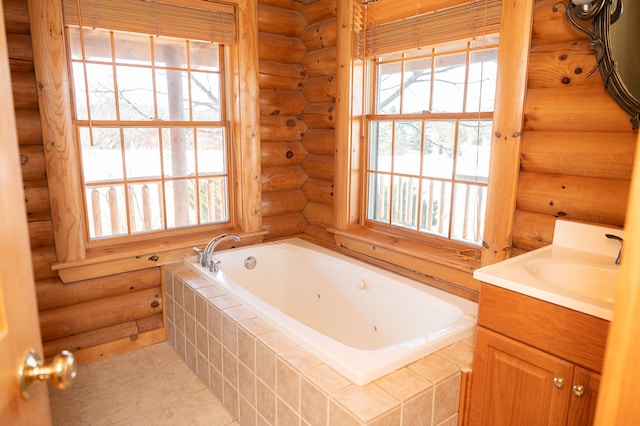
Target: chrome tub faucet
206 256
616 237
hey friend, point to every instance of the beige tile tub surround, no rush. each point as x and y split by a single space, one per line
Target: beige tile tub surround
264 378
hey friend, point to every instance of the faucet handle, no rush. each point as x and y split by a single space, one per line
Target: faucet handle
199 252
618 238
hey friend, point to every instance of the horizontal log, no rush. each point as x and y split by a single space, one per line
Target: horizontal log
25 95
319 232
20 53
41 234
320 116
319 10
320 141
83 317
574 197
532 230
277 48
32 162
282 102
320 35
90 338
319 214
42 259
274 75
29 127
282 178
278 20
320 62
553 27
319 191
561 64
574 109
319 166
282 128
283 153
16 16
53 293
595 154
282 202
37 203
287 4
284 226
320 89
99 341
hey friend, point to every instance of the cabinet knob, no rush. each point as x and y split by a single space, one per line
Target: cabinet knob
578 390
558 382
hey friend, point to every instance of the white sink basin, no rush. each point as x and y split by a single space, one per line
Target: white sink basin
595 282
577 270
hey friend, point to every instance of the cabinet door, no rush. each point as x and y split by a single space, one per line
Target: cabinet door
514 384
584 395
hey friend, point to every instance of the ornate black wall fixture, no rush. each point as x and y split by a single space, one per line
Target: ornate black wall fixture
615 46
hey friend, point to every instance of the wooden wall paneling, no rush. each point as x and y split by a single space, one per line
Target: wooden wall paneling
53 293
281 21
24 90
579 153
277 48
274 75
42 258
574 109
282 102
282 178
282 153
287 4
284 225
282 127
319 190
320 10
95 314
319 166
41 234
20 54
574 197
319 214
29 127
32 163
16 16
532 230
320 141
283 202
320 63
36 197
561 64
552 27
320 89
320 35
320 116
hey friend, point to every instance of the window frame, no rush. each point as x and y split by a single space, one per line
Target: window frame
61 156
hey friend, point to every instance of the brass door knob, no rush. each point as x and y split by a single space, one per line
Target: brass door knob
558 382
61 372
578 390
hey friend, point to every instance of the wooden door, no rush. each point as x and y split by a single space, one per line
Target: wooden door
584 389
19 328
515 384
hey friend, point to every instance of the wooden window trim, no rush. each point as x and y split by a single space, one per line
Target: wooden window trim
61 154
515 36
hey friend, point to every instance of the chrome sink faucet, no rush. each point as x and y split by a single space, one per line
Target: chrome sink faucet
615 237
206 258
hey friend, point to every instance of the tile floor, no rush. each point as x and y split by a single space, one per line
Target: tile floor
149 386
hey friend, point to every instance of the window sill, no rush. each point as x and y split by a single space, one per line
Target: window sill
444 268
134 256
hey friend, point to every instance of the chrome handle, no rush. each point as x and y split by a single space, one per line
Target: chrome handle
199 252
578 390
32 371
558 382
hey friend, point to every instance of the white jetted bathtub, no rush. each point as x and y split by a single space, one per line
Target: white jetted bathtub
360 320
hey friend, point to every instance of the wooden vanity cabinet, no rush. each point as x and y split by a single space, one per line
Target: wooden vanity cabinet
535 363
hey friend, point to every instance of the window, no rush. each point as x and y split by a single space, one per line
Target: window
149 115
428 139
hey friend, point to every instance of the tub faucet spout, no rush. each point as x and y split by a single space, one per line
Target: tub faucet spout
207 260
616 237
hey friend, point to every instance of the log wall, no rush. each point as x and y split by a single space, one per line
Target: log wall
576 159
577 146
